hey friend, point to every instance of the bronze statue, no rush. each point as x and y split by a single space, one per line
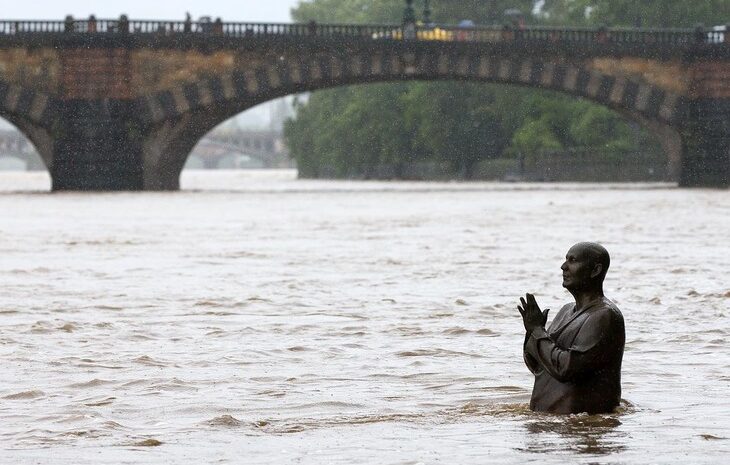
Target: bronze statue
577 360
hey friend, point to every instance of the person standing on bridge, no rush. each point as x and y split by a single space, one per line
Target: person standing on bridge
188 25
577 359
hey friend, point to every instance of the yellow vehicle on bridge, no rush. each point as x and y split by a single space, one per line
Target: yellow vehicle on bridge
421 33
464 32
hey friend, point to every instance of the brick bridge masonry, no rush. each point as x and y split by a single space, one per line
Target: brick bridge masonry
119 105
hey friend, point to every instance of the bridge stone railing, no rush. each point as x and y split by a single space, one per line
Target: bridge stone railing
479 34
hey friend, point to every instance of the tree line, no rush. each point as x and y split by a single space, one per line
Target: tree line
355 131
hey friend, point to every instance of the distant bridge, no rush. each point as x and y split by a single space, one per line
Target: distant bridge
120 104
266 147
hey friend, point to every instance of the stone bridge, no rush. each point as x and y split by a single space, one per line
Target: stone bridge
119 104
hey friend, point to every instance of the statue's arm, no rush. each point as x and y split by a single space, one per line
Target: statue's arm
532 364
588 352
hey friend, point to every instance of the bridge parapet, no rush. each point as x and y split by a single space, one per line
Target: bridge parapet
122 28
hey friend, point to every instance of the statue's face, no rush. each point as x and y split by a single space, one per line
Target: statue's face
577 268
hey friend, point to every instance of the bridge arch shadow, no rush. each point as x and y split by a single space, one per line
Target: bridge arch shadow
182 115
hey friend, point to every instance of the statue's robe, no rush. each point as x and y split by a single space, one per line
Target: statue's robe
577 360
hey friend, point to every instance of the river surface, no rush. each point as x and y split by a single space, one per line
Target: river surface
254 318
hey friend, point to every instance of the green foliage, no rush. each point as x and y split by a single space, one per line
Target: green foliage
535 136
479 11
349 132
349 11
645 13
356 130
600 128
457 124
391 11
381 129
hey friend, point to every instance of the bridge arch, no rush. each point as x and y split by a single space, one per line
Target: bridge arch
29 111
190 110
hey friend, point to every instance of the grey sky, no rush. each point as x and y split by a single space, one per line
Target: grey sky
229 10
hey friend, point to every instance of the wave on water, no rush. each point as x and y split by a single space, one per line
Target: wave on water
221 304
147 443
149 361
466 412
68 327
436 353
34 394
89 384
460 331
173 384
33 271
226 421
104 242
101 402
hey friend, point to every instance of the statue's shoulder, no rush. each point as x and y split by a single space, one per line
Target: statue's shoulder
609 306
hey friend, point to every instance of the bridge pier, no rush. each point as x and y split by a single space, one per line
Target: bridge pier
97 147
706 144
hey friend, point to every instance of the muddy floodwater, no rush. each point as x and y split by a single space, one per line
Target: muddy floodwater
253 318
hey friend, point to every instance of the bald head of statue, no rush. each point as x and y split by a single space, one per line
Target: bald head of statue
576 360
585 267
